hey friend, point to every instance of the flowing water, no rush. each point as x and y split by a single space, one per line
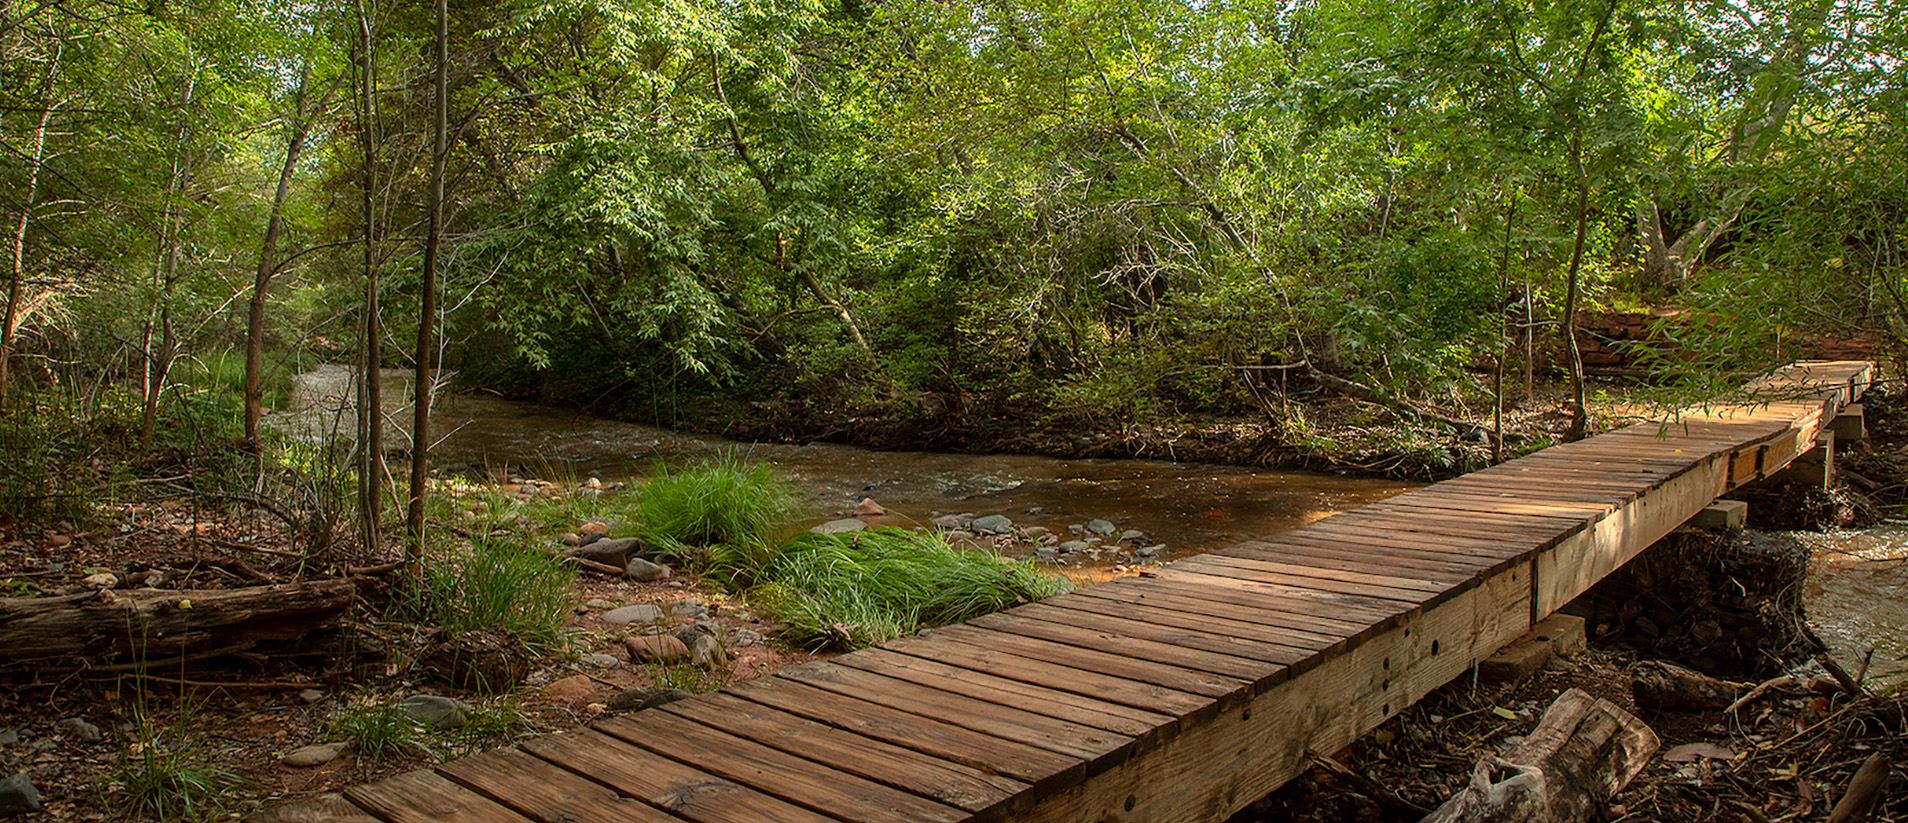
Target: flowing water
1189 507
1858 590
1858 597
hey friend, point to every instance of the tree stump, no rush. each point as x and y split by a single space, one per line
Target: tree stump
1582 752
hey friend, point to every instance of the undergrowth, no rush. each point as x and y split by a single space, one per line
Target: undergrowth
725 505
499 584
168 775
863 588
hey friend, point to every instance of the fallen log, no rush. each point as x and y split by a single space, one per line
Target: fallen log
1582 752
70 631
1864 793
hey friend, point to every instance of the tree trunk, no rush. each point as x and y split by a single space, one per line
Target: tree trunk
427 308
268 262
1582 752
16 285
151 623
371 468
1579 413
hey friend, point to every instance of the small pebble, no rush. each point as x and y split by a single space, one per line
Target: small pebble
78 729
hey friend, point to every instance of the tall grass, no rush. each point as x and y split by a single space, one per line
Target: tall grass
499 584
862 588
168 775
723 504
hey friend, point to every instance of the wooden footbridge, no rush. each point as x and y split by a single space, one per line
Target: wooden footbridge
1181 695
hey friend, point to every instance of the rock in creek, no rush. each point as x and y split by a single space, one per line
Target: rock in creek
992 524
842 526
953 522
869 508
1102 528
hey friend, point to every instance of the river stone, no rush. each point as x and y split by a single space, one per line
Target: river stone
656 648
436 711
992 524
78 729
574 687
9 737
316 754
641 613
608 552
602 661
18 796
586 539
953 522
102 580
311 695
639 699
1074 546
1150 551
747 637
842 526
692 609
1036 533
644 571
599 604
593 527
1100 527
570 539
1132 536
869 508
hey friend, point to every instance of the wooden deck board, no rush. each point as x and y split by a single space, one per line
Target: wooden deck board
1177 696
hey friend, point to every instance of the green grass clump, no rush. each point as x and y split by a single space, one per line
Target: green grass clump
862 588
167 776
499 584
722 504
381 731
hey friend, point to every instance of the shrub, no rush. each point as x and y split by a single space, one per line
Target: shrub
722 504
499 584
862 588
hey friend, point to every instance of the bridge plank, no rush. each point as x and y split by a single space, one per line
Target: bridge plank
1323 634
1245 670
681 790
1206 566
1316 608
773 772
1126 625
1028 764
544 791
1365 576
1178 678
982 793
1353 557
1113 717
424 797
955 651
1010 723
1305 643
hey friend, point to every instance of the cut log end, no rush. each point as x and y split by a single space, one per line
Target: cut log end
1583 751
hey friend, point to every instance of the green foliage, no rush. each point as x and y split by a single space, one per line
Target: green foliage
502 584
726 505
862 588
167 774
379 731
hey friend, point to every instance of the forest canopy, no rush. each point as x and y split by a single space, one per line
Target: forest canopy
677 211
